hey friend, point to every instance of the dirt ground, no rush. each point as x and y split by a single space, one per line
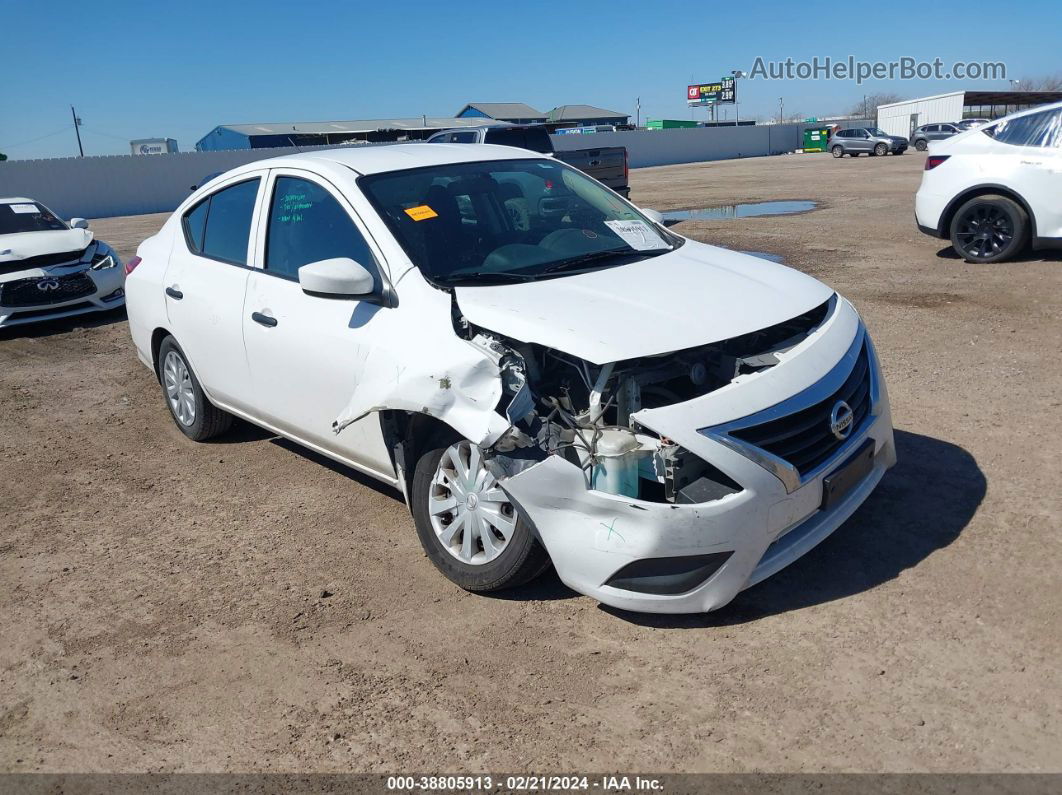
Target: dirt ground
162 603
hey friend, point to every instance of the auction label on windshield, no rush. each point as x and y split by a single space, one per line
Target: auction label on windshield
636 234
421 212
24 208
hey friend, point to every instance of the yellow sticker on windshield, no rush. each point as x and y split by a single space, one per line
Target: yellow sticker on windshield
421 212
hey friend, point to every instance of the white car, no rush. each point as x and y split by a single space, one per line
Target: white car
546 372
996 189
51 269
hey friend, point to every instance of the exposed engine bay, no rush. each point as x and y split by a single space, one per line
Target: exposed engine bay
562 405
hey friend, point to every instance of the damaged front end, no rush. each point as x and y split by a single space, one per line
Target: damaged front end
588 415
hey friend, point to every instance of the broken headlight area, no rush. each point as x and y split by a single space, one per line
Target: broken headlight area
560 405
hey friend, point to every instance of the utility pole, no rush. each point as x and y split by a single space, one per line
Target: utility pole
77 123
637 112
780 105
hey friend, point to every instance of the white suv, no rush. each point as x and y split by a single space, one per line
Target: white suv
995 189
544 371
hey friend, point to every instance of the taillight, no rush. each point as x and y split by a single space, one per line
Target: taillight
935 160
131 264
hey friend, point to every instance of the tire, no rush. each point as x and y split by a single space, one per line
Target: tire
514 560
881 149
853 154
988 229
837 151
921 146
195 416
899 151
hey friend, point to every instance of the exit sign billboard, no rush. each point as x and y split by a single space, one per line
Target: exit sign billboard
722 92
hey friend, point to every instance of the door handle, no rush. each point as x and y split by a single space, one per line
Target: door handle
263 320
174 293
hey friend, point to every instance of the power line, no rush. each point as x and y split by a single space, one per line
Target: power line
34 140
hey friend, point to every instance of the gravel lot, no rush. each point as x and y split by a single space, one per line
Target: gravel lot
163 604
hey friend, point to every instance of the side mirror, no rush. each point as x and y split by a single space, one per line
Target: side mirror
340 277
78 223
653 215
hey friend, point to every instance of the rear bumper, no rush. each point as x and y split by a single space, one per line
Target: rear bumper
929 207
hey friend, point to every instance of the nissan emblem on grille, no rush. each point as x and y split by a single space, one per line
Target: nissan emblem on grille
48 285
841 420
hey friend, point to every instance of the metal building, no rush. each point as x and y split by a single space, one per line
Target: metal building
513 112
328 133
901 118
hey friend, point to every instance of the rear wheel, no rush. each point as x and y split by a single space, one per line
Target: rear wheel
467 525
989 229
837 151
921 146
881 149
192 411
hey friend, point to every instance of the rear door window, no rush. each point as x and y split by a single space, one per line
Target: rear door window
1036 129
219 227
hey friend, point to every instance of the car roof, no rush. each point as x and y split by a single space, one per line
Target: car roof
396 157
16 200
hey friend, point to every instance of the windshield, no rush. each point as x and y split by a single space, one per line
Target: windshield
510 220
27 217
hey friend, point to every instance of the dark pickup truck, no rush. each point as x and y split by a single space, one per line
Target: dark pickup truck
606 164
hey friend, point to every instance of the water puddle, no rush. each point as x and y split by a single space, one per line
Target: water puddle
748 210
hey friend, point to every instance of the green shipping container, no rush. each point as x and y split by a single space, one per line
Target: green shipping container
668 124
815 139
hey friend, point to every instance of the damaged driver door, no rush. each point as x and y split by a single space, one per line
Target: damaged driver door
302 348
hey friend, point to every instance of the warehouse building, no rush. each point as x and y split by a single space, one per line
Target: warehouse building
513 112
901 118
585 116
327 133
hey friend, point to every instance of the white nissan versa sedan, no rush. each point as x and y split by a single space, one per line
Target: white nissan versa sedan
51 269
545 371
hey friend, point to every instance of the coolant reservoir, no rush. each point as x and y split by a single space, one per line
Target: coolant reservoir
616 468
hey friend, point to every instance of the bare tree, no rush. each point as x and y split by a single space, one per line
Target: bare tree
867 107
1042 83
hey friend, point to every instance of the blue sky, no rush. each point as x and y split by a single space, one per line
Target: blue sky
138 70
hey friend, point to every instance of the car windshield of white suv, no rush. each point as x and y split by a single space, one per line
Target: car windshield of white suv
27 217
510 220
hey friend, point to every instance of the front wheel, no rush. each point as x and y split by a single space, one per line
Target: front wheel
881 150
195 416
989 229
921 146
467 525
837 151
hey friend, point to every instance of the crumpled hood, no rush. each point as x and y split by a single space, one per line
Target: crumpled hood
33 244
692 296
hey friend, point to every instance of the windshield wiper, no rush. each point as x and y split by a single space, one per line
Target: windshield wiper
474 276
597 256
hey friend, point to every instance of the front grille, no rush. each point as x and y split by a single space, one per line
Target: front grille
42 261
804 438
27 292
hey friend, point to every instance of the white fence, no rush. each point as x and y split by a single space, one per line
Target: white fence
99 187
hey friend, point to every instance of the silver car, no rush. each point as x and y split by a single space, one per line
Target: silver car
933 132
868 140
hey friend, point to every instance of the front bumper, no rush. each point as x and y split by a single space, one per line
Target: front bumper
772 521
108 294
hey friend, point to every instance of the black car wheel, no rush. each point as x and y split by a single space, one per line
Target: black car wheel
921 146
989 229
